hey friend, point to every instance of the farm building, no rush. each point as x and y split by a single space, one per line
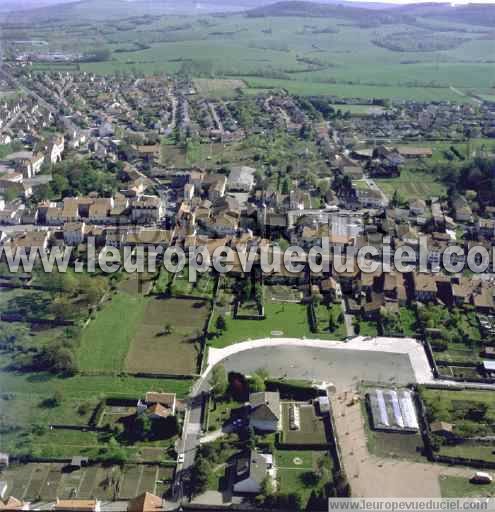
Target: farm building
393 410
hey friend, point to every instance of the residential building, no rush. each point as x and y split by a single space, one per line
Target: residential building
265 411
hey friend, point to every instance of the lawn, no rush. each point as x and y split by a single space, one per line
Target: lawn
323 315
300 477
469 451
461 487
168 326
105 341
219 413
283 319
412 185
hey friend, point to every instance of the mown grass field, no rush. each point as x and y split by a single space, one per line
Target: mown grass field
285 319
282 319
106 340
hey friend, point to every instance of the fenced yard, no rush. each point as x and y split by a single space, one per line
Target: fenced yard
312 427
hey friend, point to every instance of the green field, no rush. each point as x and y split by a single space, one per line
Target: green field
283 319
314 56
412 185
105 342
85 387
168 326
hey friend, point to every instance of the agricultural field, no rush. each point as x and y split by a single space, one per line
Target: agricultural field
50 481
106 340
217 87
168 326
324 57
412 185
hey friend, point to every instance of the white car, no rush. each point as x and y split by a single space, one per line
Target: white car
180 458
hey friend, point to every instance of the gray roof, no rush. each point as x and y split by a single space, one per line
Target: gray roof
252 465
265 406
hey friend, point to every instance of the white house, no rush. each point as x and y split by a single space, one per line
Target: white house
56 148
241 179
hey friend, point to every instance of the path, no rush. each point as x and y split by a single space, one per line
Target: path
465 95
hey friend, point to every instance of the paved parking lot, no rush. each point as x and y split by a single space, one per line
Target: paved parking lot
386 360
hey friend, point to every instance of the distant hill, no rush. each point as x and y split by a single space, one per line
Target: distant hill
475 14
105 10
343 9
81 11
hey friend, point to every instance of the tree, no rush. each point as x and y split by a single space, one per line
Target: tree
220 323
323 186
113 453
218 381
356 324
285 189
143 426
251 438
199 476
332 324
256 384
168 329
12 334
64 362
57 398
